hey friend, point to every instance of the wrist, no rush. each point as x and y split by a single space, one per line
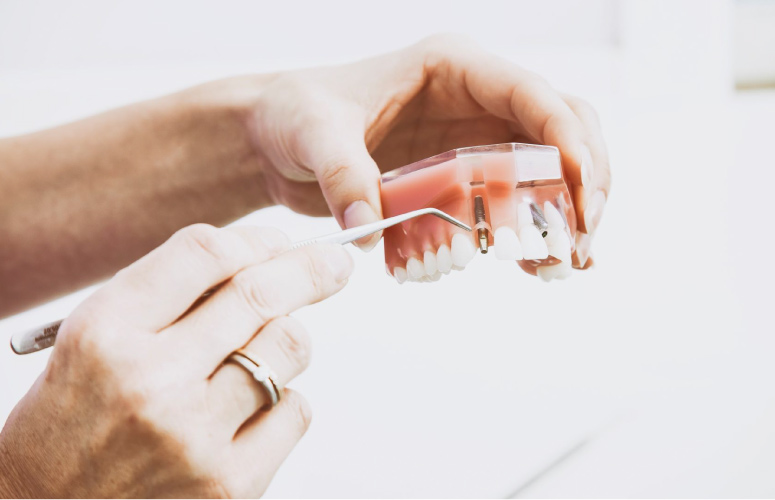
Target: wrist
220 113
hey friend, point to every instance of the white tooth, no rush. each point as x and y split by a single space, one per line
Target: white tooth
553 217
457 268
507 246
558 244
435 277
430 263
566 270
444 259
462 250
524 215
533 245
548 273
400 274
415 269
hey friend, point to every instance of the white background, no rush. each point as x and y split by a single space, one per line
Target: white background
650 374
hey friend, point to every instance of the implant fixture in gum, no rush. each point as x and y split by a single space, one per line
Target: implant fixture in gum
528 213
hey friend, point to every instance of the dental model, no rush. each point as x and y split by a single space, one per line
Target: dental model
513 195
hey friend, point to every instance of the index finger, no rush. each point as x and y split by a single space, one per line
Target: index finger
157 289
252 298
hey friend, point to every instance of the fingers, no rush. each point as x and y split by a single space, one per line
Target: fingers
590 198
545 116
157 289
522 97
252 298
347 174
266 441
284 345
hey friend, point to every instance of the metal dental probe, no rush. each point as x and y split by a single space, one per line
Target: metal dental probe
45 336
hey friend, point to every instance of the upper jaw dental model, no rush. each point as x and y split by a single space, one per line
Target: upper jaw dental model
512 195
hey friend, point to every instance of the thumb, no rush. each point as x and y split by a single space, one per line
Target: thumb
349 179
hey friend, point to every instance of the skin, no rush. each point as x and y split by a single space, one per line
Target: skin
83 200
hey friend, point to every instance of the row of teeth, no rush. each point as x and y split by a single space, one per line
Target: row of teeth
529 244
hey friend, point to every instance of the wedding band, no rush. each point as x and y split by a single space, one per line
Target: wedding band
260 372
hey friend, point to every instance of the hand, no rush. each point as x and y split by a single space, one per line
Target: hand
135 400
340 126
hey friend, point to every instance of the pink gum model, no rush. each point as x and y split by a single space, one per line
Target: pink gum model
513 195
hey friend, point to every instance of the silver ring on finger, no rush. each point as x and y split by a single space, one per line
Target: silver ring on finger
261 373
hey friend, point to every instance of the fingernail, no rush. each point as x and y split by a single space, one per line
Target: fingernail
339 261
594 211
581 255
360 213
586 167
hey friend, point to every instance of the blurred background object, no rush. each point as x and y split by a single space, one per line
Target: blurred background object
650 375
754 44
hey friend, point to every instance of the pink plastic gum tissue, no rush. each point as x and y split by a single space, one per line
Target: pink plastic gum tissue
513 195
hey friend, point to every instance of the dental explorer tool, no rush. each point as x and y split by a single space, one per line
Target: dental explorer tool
45 336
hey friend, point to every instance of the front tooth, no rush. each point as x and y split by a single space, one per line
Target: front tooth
462 250
507 246
415 269
548 273
435 277
430 263
400 274
553 217
558 244
555 271
533 245
444 259
566 270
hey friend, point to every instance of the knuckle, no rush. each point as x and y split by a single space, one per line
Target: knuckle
205 240
274 237
583 108
445 45
84 333
535 80
299 410
334 172
317 271
297 83
294 341
254 293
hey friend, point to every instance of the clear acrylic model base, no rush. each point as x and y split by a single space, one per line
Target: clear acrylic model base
513 195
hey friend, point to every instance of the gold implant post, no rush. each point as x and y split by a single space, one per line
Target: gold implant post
479 216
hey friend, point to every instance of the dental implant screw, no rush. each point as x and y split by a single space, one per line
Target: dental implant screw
479 216
538 219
